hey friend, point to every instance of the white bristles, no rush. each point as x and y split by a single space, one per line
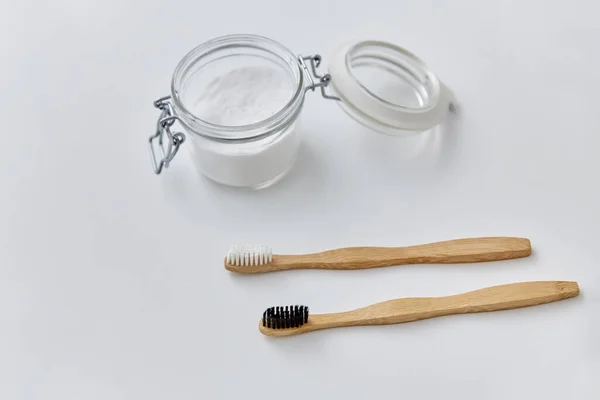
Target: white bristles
245 256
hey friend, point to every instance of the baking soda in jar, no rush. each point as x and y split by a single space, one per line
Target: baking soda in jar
245 96
238 98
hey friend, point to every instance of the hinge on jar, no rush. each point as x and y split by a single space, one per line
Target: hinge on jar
312 74
164 134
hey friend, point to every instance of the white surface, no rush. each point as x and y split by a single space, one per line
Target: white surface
111 278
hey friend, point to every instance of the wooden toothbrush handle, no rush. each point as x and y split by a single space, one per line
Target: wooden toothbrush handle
448 252
496 298
504 297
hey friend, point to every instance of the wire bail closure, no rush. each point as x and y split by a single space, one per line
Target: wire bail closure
169 145
322 81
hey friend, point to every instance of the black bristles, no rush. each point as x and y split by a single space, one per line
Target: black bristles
305 314
280 318
285 317
270 317
296 313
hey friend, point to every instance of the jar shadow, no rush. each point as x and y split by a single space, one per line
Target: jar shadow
306 173
308 181
435 148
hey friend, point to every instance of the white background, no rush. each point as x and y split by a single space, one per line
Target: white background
111 278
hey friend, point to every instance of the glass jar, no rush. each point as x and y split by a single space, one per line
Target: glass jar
239 97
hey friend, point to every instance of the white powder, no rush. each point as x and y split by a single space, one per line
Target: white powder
241 97
244 96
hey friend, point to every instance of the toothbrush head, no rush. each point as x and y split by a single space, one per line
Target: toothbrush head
285 317
248 256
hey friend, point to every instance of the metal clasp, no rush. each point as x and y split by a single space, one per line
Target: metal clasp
322 81
170 144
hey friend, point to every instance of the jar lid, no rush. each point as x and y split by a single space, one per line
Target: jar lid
387 88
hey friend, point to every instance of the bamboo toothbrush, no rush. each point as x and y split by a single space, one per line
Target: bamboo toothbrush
259 259
293 320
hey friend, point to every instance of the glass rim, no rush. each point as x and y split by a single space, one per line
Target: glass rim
412 59
256 130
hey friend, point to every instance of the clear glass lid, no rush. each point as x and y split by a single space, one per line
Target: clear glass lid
387 88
